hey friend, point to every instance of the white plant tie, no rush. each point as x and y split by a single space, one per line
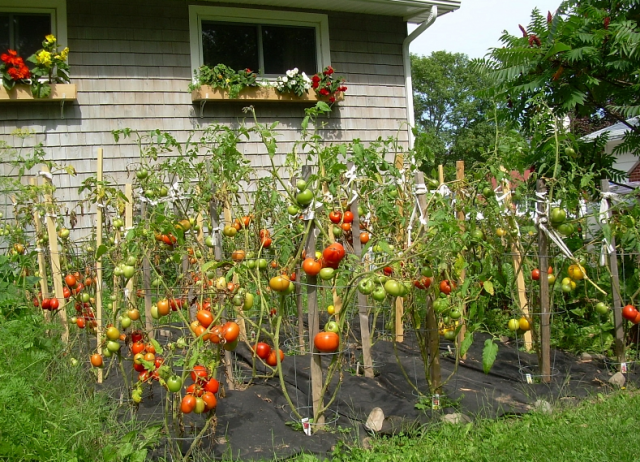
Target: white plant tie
603 216
443 190
350 175
542 221
46 175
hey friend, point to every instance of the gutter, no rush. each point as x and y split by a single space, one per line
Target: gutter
406 56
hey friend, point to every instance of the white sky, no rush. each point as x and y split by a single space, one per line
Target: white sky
478 25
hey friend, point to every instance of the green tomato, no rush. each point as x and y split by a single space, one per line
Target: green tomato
455 314
113 346
366 286
379 294
304 198
337 231
332 326
85 297
513 325
262 263
132 260
248 301
174 384
301 185
601 308
393 288
128 271
293 210
251 264
125 322
154 312
558 216
450 335
327 273
237 300
208 241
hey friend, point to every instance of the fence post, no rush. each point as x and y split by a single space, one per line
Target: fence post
461 218
99 213
615 289
543 264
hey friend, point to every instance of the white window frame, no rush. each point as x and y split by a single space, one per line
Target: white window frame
56 8
199 13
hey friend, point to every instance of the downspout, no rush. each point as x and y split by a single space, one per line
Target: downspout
406 56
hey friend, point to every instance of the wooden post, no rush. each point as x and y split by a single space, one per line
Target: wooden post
440 174
146 282
517 265
128 224
399 302
42 264
543 262
615 289
56 270
433 336
363 312
99 178
462 218
215 223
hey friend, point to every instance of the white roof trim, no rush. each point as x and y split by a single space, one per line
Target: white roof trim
411 10
616 131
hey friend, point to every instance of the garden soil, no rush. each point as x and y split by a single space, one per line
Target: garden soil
255 422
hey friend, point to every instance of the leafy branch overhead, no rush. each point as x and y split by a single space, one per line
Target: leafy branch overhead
581 60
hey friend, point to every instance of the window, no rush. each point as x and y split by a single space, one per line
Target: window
24 24
270 41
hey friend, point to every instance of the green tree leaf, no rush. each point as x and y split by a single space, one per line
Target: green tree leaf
489 354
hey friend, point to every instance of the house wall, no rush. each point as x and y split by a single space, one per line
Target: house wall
131 64
625 162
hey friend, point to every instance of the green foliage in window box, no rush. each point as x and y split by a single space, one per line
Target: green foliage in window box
225 78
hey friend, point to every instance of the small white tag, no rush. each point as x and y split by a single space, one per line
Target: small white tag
306 426
529 378
623 368
449 348
435 401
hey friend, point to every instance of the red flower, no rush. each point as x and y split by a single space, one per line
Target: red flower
315 79
10 57
315 85
332 99
248 71
342 89
328 71
324 92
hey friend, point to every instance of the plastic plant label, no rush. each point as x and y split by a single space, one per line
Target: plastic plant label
529 378
623 368
450 350
435 402
306 426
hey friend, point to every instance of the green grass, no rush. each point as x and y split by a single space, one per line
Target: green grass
600 429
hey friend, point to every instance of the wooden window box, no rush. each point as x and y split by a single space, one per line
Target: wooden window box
261 94
22 93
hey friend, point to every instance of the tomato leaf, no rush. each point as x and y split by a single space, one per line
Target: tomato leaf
101 251
488 287
156 345
211 265
489 354
466 343
385 247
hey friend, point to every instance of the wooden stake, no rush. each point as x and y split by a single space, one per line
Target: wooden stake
42 264
461 217
99 177
440 174
56 270
399 302
543 262
131 300
517 265
615 289
363 311
146 283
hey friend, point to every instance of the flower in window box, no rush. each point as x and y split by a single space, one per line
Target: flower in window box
225 78
326 84
293 82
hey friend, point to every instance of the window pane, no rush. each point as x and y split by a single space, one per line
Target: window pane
288 47
29 32
5 31
234 45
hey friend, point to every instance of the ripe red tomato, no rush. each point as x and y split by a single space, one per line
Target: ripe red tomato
364 238
272 360
188 404
70 280
216 334
445 287
136 336
348 217
333 254
629 312
535 274
311 266
346 226
262 350
46 304
80 322
96 360
137 347
230 331
199 374
205 318
210 401
212 385
266 242
335 217
264 233
326 342
66 293
387 270
195 390
54 304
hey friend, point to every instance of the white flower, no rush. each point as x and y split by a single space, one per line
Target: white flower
285 79
295 70
305 77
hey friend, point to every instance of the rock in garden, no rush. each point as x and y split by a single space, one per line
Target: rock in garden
617 379
375 420
543 406
456 418
585 357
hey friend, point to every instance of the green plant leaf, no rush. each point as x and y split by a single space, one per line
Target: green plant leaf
489 354
466 343
488 287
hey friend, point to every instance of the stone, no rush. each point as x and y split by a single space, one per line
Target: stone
456 418
375 420
367 443
543 406
617 380
585 357
394 424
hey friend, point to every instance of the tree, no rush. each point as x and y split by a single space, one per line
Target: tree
452 122
581 62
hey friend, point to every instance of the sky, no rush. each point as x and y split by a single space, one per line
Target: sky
478 25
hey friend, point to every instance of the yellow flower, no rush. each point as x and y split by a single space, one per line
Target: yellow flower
50 38
44 57
64 53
